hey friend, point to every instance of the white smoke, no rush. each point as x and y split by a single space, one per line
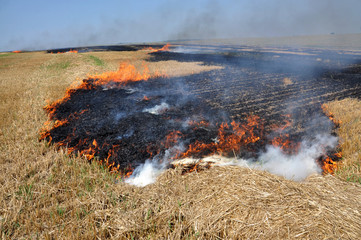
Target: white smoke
299 166
189 49
146 173
158 109
295 167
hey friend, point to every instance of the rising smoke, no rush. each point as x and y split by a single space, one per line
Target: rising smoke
148 124
295 167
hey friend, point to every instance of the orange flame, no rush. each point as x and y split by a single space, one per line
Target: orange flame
198 124
285 144
164 48
196 167
282 141
125 74
172 138
17 51
230 138
88 148
126 175
70 51
287 122
330 115
329 166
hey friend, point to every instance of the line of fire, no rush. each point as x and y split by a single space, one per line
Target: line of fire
256 100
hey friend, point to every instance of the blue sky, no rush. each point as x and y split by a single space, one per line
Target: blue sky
40 24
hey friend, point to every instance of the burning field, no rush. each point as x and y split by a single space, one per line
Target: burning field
192 140
259 109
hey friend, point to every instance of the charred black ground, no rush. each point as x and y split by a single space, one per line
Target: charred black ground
118 48
131 123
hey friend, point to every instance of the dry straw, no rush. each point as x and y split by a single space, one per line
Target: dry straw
45 194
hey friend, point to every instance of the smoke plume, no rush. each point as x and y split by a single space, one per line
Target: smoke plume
61 25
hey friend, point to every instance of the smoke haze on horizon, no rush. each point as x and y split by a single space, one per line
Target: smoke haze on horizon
40 24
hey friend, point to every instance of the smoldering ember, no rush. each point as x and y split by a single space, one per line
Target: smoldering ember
260 108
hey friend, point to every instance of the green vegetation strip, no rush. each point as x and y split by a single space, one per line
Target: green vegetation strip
97 61
6 54
59 66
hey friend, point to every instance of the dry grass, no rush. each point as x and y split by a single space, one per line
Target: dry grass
47 195
349 112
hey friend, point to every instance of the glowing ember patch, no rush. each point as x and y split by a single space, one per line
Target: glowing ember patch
200 124
286 144
172 138
230 140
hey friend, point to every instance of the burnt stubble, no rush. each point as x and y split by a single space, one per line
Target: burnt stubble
126 125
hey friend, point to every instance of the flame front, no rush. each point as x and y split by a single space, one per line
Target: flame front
231 138
329 166
89 148
125 74
164 48
70 51
330 115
